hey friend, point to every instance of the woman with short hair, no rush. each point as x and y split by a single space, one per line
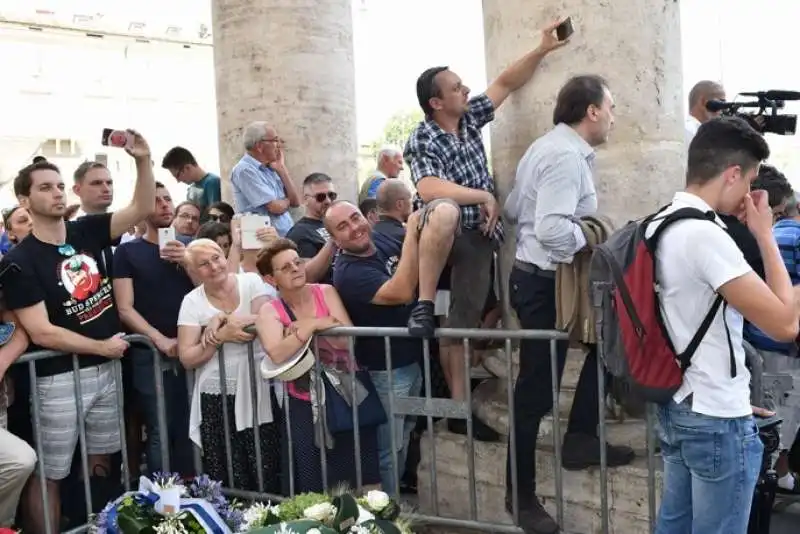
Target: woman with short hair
224 304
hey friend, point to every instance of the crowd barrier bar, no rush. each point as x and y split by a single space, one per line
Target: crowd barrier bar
426 406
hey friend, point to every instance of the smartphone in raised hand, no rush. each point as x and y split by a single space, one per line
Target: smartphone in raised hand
117 138
564 30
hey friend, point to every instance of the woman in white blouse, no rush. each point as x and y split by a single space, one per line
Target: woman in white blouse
224 304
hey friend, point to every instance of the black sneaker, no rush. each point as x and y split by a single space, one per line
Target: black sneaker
581 451
533 518
480 430
422 322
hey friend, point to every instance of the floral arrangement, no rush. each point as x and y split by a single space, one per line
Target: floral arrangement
316 513
167 505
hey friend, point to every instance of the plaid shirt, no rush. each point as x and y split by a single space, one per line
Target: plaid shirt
461 159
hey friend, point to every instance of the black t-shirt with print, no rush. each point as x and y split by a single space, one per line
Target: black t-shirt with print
68 280
310 236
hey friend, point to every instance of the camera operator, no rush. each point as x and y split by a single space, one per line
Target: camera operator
699 96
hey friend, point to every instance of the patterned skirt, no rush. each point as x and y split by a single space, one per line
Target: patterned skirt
243 447
340 460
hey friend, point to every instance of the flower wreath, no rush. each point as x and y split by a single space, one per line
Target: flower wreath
167 505
316 513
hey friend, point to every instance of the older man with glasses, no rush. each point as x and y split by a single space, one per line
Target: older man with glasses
261 182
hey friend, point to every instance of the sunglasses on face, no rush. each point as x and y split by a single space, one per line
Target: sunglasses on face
218 218
321 197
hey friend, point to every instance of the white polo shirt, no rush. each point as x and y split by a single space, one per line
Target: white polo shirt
694 258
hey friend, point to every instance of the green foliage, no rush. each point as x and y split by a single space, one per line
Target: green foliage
293 508
397 129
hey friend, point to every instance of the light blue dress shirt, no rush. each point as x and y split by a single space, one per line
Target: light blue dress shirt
255 185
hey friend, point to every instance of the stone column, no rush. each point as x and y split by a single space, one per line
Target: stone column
636 46
288 62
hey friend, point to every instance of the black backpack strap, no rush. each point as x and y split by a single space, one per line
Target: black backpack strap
677 215
685 357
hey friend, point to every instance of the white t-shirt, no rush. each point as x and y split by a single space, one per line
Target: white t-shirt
690 129
694 258
196 310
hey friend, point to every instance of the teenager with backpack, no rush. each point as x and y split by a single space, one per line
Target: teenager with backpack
673 290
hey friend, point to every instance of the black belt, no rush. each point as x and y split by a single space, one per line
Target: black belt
533 269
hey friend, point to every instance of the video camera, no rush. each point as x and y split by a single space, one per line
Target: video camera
761 120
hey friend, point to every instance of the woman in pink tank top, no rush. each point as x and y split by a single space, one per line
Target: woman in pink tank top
284 325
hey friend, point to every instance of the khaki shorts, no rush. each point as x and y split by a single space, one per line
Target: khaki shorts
471 260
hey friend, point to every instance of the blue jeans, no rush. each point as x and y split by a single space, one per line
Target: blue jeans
711 466
176 402
406 382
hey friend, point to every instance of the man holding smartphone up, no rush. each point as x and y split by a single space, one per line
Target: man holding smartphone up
64 303
448 164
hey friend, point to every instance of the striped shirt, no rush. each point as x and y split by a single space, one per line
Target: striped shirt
787 235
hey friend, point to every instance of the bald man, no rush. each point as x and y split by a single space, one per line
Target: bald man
394 208
699 96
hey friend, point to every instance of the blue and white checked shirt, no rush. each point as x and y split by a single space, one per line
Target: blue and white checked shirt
461 159
787 235
255 185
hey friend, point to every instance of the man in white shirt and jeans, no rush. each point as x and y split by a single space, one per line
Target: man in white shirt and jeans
710 444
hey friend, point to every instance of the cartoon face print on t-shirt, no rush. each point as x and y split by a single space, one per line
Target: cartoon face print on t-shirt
89 293
80 276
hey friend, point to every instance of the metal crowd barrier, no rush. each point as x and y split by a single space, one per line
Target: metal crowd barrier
428 407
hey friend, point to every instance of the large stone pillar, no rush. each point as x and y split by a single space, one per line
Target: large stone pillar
636 46
288 62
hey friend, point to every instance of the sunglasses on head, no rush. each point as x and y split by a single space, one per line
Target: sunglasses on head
330 195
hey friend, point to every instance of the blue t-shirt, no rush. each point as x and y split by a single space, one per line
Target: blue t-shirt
358 279
158 285
787 235
205 192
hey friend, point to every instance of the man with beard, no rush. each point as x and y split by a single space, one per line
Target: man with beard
376 276
448 163
149 285
38 292
309 233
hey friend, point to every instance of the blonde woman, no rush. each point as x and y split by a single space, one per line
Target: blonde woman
224 304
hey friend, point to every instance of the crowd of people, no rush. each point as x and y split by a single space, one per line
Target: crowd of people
77 280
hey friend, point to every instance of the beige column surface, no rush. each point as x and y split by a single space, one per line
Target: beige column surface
636 46
290 63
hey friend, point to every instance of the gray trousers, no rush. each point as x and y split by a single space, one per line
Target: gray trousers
17 461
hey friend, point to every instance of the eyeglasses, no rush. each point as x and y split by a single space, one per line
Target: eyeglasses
219 217
292 265
330 195
187 217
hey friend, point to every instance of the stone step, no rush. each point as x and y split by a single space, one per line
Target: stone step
495 363
490 402
491 405
627 496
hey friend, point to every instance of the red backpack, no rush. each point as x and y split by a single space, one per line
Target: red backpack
636 347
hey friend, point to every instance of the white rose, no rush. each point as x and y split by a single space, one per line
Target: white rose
321 512
377 500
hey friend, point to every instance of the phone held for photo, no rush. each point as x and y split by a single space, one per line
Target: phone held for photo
250 224
564 30
117 138
165 235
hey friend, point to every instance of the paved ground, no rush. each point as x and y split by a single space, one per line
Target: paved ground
787 522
